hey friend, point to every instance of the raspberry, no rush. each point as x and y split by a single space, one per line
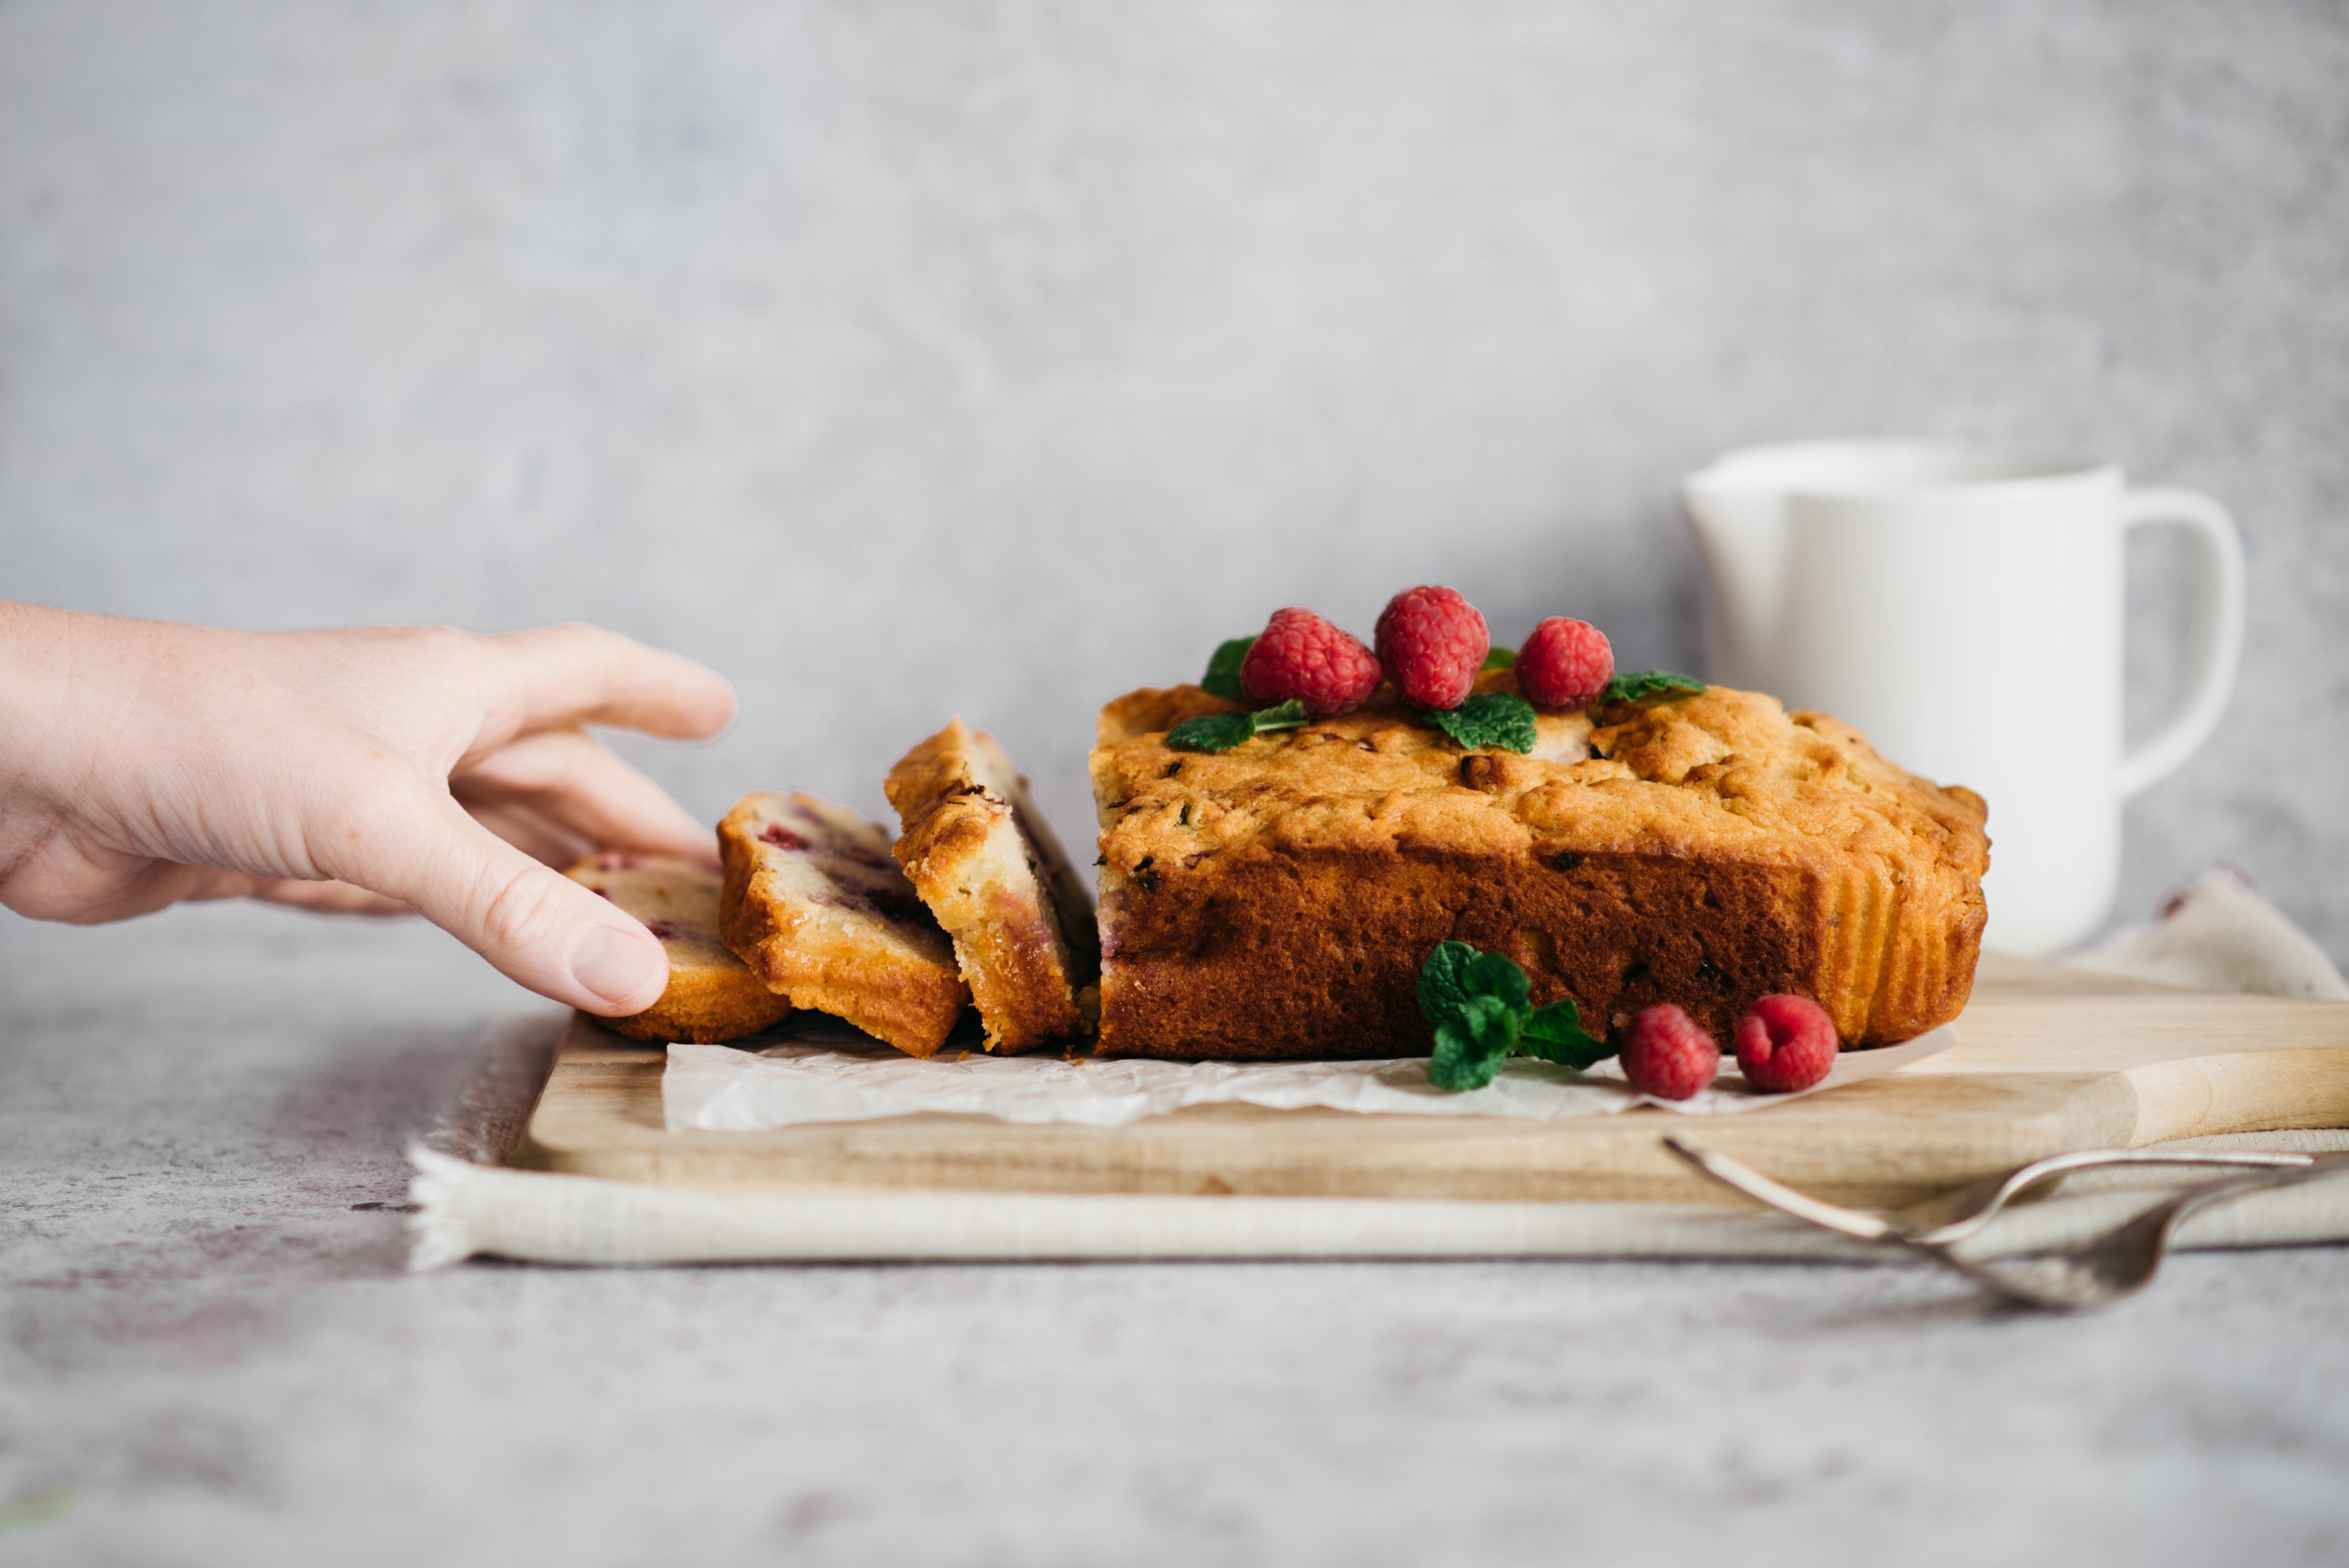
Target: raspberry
1666 1053
1301 655
1785 1044
1565 663
1433 642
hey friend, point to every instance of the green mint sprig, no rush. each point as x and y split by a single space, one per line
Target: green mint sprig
1223 676
1222 732
1480 1006
1501 719
1499 658
1646 686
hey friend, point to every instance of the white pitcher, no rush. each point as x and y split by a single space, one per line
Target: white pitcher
1961 606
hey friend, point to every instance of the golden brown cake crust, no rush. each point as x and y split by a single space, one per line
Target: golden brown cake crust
712 995
1277 899
816 906
982 859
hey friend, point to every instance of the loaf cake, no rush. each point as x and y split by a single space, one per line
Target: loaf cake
982 859
712 995
816 906
1277 899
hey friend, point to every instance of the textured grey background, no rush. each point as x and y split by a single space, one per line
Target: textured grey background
905 360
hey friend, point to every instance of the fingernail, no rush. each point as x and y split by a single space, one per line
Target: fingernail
617 967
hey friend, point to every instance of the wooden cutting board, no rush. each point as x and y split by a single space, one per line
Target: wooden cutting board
2048 1059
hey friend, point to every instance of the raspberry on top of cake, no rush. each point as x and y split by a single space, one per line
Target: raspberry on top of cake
981 856
712 995
816 906
1276 899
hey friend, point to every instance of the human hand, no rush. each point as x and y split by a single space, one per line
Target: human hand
374 770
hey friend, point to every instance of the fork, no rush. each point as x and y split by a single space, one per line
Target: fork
2099 1273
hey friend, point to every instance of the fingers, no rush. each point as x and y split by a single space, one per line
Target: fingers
199 884
575 794
154 885
548 843
565 676
414 844
325 897
71 887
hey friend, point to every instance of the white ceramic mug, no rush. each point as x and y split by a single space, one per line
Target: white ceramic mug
1960 605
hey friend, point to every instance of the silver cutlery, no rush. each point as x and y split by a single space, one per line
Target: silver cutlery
2096 1274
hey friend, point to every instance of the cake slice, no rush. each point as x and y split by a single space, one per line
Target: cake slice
1277 899
816 908
712 995
981 856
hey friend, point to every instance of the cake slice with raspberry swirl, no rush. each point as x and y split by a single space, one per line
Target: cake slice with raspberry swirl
712 996
818 908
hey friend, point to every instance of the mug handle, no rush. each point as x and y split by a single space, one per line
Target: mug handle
2217 637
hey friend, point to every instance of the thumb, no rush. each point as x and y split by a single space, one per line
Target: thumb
540 928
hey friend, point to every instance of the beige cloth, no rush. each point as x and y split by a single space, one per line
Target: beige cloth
2218 934
468 1209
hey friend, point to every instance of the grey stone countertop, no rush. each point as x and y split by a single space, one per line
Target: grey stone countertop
212 1355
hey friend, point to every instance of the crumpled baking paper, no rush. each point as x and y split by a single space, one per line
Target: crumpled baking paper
722 1088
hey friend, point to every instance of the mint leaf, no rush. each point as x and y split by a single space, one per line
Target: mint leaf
1222 732
1211 733
1500 658
1223 676
1648 686
1441 993
1474 1001
1501 719
1453 973
1478 1006
1471 1047
1497 975
1555 1033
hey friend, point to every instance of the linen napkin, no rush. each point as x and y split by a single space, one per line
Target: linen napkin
2217 934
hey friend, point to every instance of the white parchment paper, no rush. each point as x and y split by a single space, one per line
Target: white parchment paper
722 1088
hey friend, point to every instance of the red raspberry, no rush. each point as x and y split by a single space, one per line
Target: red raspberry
1666 1053
1785 1044
1565 663
1433 642
1301 655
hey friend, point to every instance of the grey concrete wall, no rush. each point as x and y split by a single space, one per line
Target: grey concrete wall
916 359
